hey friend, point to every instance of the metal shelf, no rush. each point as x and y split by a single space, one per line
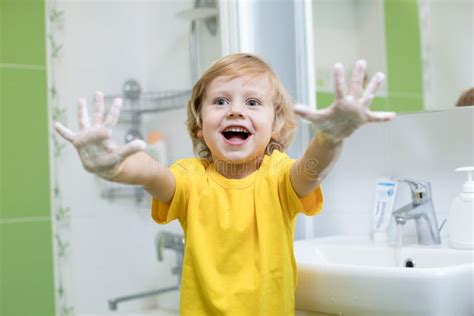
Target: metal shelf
150 103
136 104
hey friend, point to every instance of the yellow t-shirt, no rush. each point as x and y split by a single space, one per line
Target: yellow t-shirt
238 257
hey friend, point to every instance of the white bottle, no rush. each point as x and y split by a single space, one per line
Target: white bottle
461 215
385 191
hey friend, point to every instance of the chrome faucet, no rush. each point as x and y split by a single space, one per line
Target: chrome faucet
420 209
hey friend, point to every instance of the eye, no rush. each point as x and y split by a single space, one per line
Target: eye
219 101
254 102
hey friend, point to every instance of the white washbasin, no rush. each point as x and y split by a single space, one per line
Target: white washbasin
353 276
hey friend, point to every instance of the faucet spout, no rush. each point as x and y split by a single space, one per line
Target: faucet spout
421 209
403 214
115 301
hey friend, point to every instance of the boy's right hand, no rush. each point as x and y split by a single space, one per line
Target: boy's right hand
98 153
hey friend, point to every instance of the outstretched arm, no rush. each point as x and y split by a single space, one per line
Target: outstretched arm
349 111
101 156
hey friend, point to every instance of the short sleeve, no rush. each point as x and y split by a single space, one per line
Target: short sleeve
310 204
163 213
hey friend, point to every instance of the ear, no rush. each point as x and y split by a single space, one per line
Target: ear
274 127
274 132
199 133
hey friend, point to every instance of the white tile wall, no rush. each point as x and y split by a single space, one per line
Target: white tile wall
114 257
426 146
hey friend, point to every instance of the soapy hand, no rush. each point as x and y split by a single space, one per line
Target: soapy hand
350 109
98 153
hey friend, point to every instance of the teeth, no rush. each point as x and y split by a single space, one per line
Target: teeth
236 129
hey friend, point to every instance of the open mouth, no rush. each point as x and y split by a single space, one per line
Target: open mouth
236 134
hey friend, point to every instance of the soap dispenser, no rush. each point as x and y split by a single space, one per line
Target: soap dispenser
461 215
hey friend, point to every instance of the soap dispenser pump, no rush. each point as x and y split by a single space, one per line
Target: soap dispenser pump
461 215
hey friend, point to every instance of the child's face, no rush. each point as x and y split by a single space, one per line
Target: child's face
237 118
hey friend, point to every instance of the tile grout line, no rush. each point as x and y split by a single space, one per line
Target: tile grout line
23 66
25 220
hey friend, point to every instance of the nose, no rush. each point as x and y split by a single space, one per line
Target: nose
236 110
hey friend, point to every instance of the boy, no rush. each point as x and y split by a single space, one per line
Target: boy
238 202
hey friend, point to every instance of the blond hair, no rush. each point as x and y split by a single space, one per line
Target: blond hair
233 66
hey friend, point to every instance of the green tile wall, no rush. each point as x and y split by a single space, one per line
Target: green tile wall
403 47
26 256
25 144
23 32
27 286
404 64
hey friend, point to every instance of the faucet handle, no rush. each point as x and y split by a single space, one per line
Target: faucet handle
415 185
420 190
442 225
168 240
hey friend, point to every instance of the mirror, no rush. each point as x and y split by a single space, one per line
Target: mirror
425 48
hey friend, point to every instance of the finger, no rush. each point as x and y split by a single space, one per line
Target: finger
339 81
132 148
99 108
302 110
366 100
381 116
83 116
92 136
372 87
64 132
114 112
355 88
306 112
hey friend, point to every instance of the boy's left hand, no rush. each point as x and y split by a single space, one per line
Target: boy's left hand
350 109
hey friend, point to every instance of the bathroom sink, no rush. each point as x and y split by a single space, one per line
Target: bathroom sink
353 276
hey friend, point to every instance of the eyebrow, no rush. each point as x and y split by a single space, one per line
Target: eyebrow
257 93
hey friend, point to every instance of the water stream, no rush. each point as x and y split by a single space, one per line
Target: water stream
399 244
